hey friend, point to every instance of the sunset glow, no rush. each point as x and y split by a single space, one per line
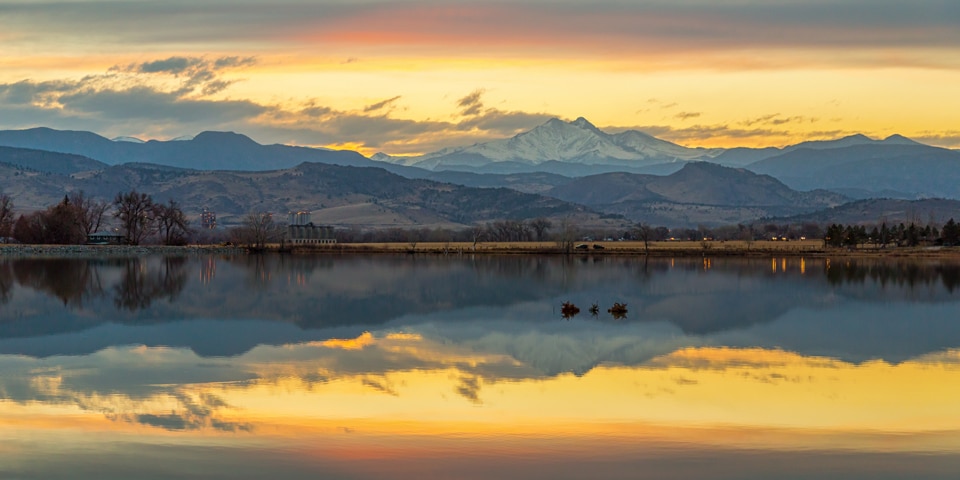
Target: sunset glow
695 390
391 76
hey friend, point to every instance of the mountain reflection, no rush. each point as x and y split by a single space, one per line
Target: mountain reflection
78 306
215 364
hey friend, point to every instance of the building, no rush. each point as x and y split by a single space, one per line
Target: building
104 238
208 219
301 231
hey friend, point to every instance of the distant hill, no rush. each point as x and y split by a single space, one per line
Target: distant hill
913 169
537 182
742 156
892 211
206 151
701 192
50 162
372 196
31 189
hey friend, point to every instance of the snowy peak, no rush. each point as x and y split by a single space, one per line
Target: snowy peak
577 142
128 140
583 123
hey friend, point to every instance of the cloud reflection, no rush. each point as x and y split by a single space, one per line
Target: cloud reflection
419 379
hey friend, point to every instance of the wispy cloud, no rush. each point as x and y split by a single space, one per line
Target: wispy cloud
687 115
381 105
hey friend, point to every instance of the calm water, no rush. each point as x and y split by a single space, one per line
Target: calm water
411 368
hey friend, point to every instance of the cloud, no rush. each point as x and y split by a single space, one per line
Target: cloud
777 119
687 115
883 32
469 388
947 139
174 96
696 134
471 104
198 73
380 105
175 65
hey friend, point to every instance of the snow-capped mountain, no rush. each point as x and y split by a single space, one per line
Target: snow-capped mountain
578 142
128 140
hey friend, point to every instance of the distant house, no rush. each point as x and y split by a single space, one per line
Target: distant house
104 238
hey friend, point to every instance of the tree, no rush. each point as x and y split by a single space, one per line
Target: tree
29 229
645 234
6 216
951 233
136 214
62 225
567 235
171 223
90 211
57 225
834 236
540 227
258 229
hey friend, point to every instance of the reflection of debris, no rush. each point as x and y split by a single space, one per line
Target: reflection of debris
594 309
569 310
618 310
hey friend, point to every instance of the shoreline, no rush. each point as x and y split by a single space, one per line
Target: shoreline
757 249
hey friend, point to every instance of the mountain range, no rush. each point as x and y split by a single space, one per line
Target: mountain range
590 172
573 143
338 195
206 151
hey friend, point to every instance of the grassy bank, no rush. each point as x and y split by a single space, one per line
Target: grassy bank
806 248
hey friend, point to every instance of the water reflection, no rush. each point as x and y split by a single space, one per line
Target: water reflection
139 286
55 306
371 367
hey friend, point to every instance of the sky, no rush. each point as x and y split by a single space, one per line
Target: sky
411 76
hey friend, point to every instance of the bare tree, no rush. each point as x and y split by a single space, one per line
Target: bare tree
540 227
90 211
259 228
567 235
136 214
172 224
476 233
645 234
6 215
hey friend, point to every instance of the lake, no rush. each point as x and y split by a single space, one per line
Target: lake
412 367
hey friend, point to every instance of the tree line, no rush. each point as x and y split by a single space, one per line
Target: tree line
900 235
78 215
140 219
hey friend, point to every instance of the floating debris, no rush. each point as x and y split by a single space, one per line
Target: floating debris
568 310
618 310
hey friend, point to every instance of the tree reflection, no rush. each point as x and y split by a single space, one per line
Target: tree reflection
6 282
73 281
140 286
909 274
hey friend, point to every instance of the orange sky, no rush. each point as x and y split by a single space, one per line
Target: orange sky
390 75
